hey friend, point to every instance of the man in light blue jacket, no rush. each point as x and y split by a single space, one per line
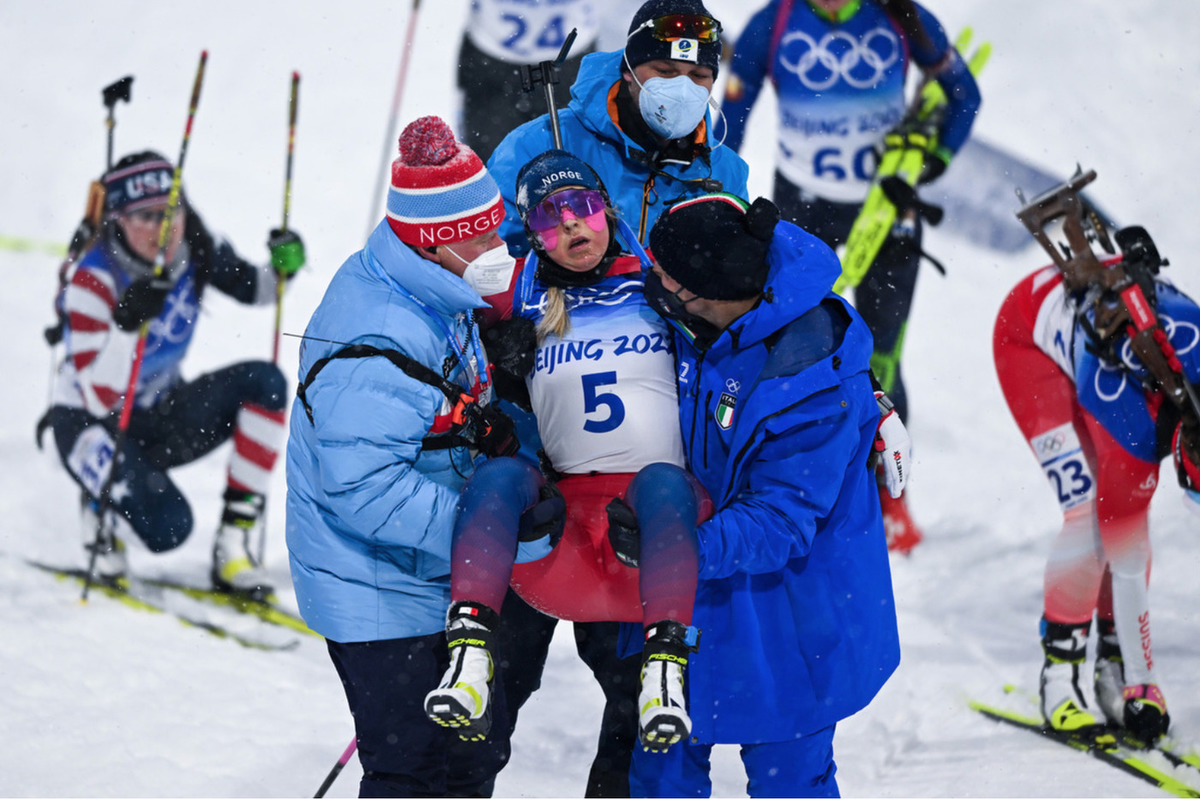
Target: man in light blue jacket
794 604
640 118
378 451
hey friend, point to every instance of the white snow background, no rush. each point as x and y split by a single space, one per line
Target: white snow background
101 700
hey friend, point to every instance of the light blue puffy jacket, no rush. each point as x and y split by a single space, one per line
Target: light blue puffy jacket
369 512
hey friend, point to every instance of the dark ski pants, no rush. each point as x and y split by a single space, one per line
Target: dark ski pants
801 767
188 422
402 752
524 640
884 298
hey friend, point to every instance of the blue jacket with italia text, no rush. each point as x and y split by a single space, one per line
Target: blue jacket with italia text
794 605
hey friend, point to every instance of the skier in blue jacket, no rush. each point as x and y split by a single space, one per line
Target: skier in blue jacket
640 118
794 605
377 456
839 69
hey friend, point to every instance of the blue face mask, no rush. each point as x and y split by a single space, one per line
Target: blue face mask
672 107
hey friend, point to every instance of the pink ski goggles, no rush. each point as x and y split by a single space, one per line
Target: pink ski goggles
585 204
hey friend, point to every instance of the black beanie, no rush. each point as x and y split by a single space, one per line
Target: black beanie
642 46
716 245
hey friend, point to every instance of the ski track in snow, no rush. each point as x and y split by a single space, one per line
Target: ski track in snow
105 701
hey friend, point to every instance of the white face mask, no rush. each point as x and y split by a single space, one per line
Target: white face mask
491 272
672 107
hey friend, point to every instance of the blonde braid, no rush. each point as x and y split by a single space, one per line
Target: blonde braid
554 319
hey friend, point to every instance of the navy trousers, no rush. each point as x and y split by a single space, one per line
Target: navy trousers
402 752
188 422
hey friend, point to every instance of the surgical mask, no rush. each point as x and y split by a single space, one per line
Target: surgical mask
672 107
491 273
698 331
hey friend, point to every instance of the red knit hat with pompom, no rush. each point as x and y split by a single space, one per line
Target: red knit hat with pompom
441 192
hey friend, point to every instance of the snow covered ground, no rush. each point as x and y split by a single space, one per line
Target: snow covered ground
101 700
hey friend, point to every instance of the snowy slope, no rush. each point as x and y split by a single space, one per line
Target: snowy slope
105 701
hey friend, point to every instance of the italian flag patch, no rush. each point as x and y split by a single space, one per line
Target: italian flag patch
724 413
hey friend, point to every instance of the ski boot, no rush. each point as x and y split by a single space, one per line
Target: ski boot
1063 705
1146 714
110 565
1109 674
902 533
463 700
234 569
663 719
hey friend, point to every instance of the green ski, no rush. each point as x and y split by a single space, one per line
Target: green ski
903 159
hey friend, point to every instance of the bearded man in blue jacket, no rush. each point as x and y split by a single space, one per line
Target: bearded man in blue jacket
794 606
640 118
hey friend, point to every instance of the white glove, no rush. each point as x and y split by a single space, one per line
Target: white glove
892 446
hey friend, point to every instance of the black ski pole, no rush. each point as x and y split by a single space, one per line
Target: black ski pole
287 203
160 260
114 92
546 73
337 768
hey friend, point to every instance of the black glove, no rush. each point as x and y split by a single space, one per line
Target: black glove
490 430
623 532
142 301
547 517
936 161
510 346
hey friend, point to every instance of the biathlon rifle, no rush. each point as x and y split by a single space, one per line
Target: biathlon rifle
546 74
1121 290
89 226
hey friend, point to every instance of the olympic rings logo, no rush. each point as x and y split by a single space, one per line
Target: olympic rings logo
1170 327
732 386
1050 444
839 55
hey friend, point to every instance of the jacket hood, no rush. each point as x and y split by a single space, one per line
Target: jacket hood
598 72
390 259
801 272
